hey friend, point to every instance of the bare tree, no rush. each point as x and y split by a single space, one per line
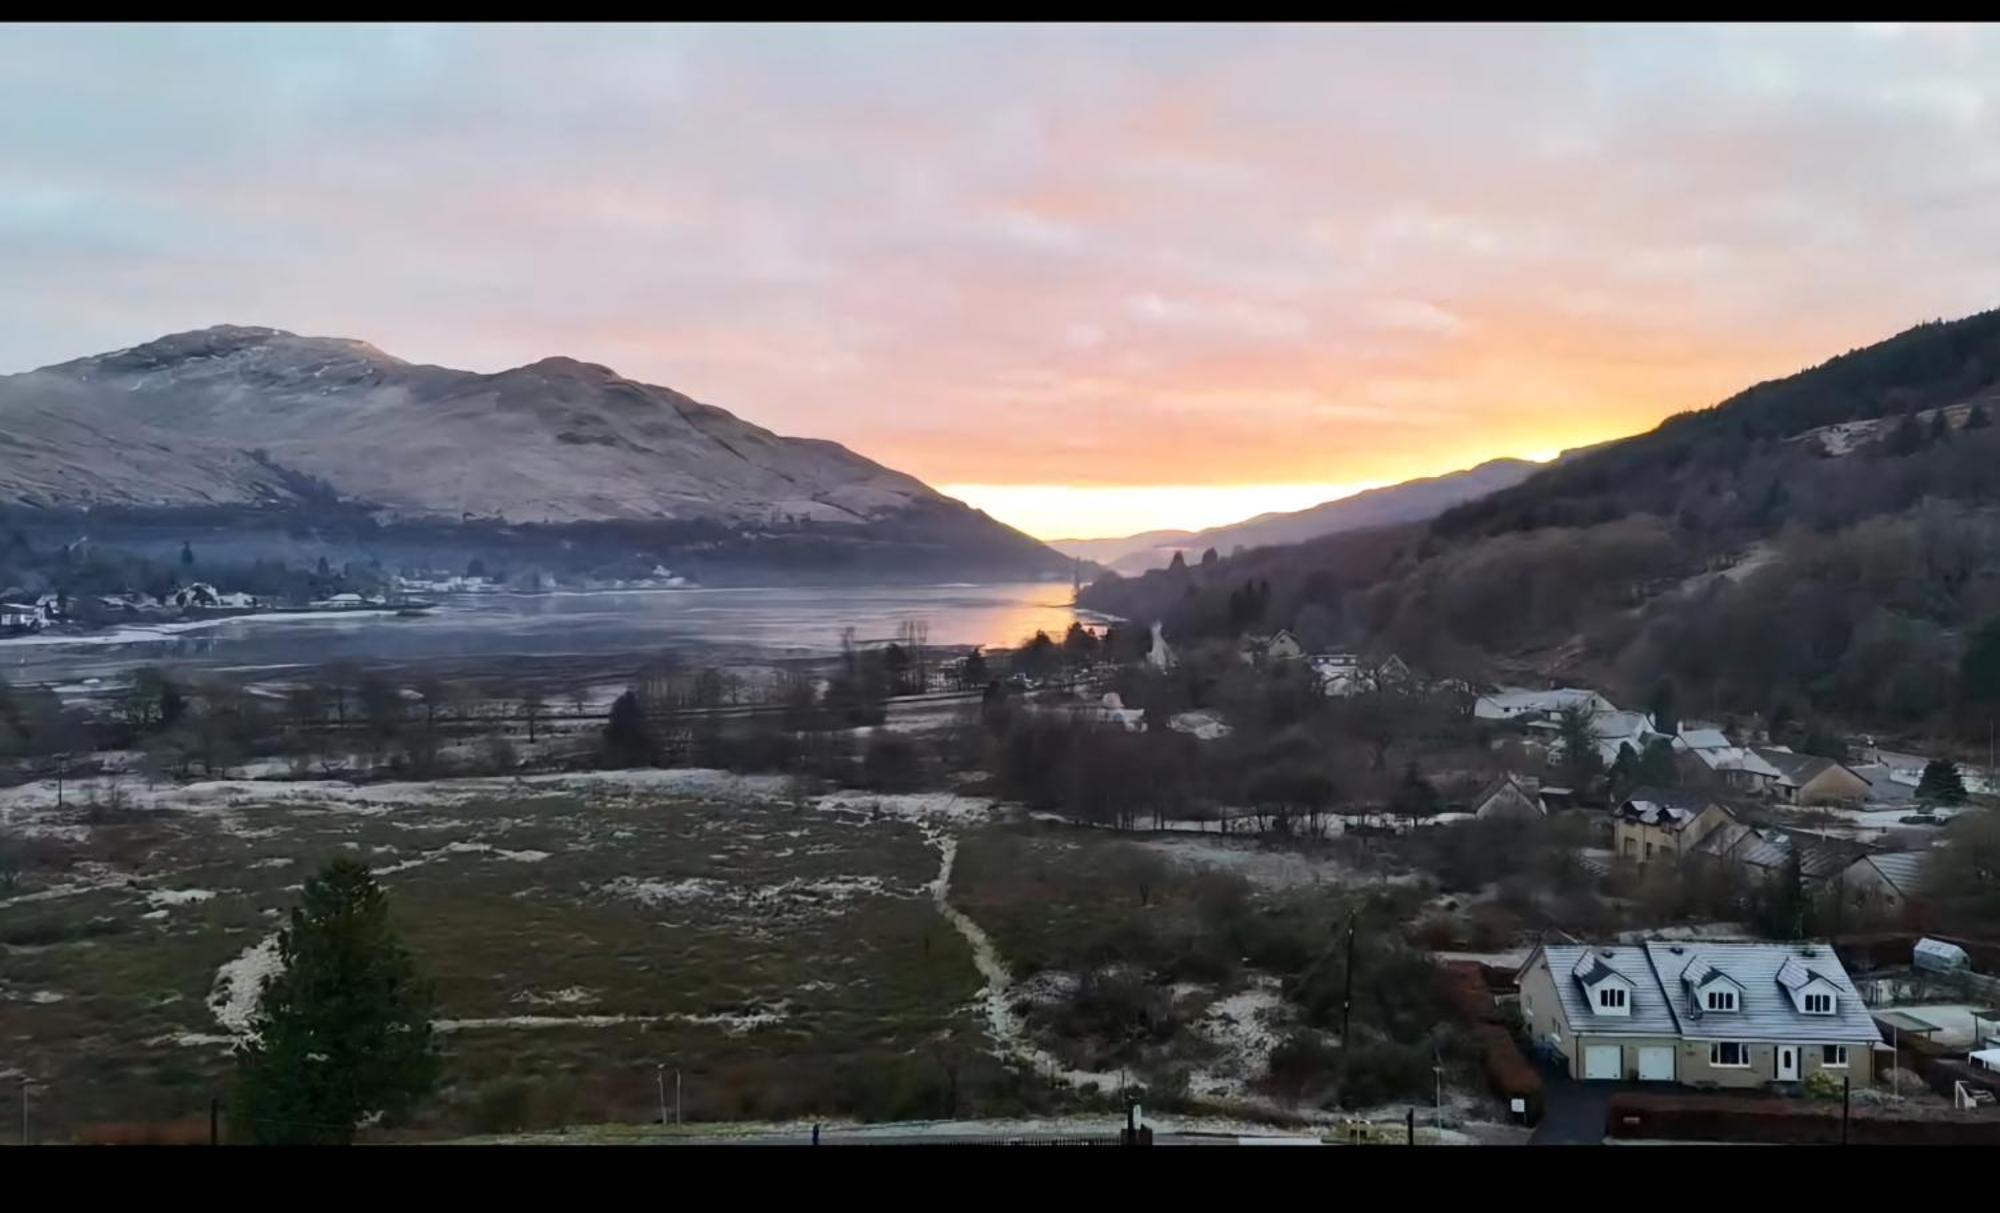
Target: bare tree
533 707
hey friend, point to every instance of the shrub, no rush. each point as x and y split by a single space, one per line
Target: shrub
1302 1063
1378 1071
1120 1013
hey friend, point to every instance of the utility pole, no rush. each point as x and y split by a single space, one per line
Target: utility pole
1437 1071
1347 993
660 1081
214 1122
24 1111
1843 1108
677 1095
1410 1127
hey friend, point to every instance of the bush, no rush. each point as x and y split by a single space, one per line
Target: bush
503 1107
891 763
1301 1064
1119 1013
1378 1071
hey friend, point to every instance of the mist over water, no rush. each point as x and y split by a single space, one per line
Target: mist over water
730 622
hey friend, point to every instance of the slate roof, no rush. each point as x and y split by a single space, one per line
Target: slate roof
1650 1015
1719 842
1801 769
1767 1011
1667 808
1820 857
1704 739
1904 870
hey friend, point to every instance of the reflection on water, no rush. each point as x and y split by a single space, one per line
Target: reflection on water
770 621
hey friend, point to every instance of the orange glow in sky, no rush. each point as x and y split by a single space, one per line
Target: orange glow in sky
1094 280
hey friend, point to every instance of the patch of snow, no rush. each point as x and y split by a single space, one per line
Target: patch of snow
914 806
1245 1026
177 897
239 984
567 996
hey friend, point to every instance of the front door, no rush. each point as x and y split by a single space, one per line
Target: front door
1788 1063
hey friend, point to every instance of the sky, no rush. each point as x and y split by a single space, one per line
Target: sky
1093 279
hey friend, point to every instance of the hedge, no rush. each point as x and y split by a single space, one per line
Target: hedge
1785 1121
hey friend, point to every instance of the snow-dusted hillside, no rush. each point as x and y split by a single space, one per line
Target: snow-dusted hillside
233 416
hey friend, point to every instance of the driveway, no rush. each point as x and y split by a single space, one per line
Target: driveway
1573 1111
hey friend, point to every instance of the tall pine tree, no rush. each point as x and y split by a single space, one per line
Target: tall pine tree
344 1031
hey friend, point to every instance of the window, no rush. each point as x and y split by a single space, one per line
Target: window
1833 1057
1649 850
1721 1000
1729 1053
1631 848
1819 1004
1611 998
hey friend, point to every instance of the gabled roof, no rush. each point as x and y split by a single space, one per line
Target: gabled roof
1765 1010
1647 1014
1701 973
1820 857
1796 974
1591 970
1801 769
1720 842
1902 870
1737 758
1703 739
1505 790
1668 808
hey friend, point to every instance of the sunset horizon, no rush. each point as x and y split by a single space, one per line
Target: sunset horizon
1162 278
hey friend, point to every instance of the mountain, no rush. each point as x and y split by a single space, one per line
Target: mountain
260 420
1124 551
1410 501
1820 545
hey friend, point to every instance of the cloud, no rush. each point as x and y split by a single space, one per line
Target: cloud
1039 254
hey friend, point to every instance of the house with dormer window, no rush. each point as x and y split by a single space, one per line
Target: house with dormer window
1704 1014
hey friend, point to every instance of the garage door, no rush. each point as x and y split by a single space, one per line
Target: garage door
1603 1061
1656 1063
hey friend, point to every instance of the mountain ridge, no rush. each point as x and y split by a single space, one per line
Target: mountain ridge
240 429
1414 500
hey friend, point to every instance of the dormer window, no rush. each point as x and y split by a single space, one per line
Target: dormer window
1611 998
1819 1004
1720 1000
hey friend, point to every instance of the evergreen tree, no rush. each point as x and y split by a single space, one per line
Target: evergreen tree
1624 773
975 673
1580 759
1656 767
1666 718
625 738
187 555
1941 783
323 569
1208 558
1976 418
1414 796
1907 438
1979 670
344 1030
1940 428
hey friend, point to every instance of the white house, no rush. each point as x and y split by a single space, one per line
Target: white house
1708 1014
1514 703
1284 647
21 615
1739 767
1511 797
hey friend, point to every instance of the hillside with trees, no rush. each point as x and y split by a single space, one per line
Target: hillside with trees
1823 545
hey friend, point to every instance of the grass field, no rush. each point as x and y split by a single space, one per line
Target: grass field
788 962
